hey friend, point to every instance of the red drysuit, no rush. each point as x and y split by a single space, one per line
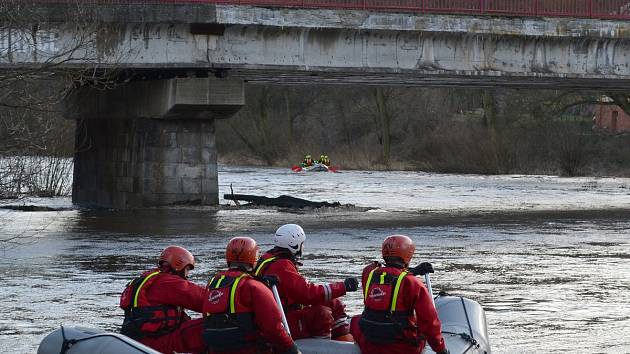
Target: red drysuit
312 309
166 295
418 318
253 307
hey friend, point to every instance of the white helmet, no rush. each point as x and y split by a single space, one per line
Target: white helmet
291 237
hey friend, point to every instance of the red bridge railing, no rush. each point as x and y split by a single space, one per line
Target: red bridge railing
606 9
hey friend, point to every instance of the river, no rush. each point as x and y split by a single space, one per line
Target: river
547 257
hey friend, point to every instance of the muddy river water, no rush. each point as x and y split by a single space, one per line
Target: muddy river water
547 257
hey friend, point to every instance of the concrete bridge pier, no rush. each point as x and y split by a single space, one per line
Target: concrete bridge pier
150 143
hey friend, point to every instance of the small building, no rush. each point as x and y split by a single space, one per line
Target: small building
611 118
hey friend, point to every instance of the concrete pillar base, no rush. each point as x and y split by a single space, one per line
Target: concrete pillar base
150 143
126 164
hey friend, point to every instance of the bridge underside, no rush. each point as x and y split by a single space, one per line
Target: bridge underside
436 78
382 77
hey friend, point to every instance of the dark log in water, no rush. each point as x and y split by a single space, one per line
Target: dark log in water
283 201
32 208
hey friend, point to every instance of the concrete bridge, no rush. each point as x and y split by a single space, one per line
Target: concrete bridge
151 141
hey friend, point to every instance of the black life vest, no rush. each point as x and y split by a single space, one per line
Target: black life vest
224 328
380 322
141 318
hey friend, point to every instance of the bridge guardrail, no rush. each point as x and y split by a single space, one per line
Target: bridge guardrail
604 9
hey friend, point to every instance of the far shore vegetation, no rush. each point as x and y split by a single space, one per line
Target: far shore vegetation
444 130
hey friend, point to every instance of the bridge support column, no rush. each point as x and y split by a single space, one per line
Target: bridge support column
150 143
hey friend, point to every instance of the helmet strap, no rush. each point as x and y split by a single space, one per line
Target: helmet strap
296 258
281 252
166 268
395 262
243 267
286 254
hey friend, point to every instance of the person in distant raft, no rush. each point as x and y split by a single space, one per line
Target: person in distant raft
326 161
154 305
240 313
312 310
308 161
399 314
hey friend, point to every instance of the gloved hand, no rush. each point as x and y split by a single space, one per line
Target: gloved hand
422 269
269 280
352 284
445 351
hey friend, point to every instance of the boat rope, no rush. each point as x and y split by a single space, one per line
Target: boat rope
68 343
465 336
467 319
470 338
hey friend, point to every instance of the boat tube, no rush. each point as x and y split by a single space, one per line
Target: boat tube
318 167
463 326
81 340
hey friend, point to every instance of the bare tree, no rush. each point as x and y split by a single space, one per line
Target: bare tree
298 103
253 126
622 100
42 60
383 107
38 50
37 75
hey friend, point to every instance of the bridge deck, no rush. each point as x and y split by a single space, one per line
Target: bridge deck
295 46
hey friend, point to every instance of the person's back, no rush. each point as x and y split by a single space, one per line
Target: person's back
295 290
154 305
399 314
240 313
313 310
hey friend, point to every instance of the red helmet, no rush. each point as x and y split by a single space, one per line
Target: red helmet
399 246
177 257
242 250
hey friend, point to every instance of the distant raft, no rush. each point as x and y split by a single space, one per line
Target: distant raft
316 167
463 326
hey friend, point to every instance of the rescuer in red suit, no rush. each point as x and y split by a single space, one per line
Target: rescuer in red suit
154 305
396 324
240 313
312 310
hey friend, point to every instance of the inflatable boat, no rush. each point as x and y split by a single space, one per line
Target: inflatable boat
463 326
317 167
